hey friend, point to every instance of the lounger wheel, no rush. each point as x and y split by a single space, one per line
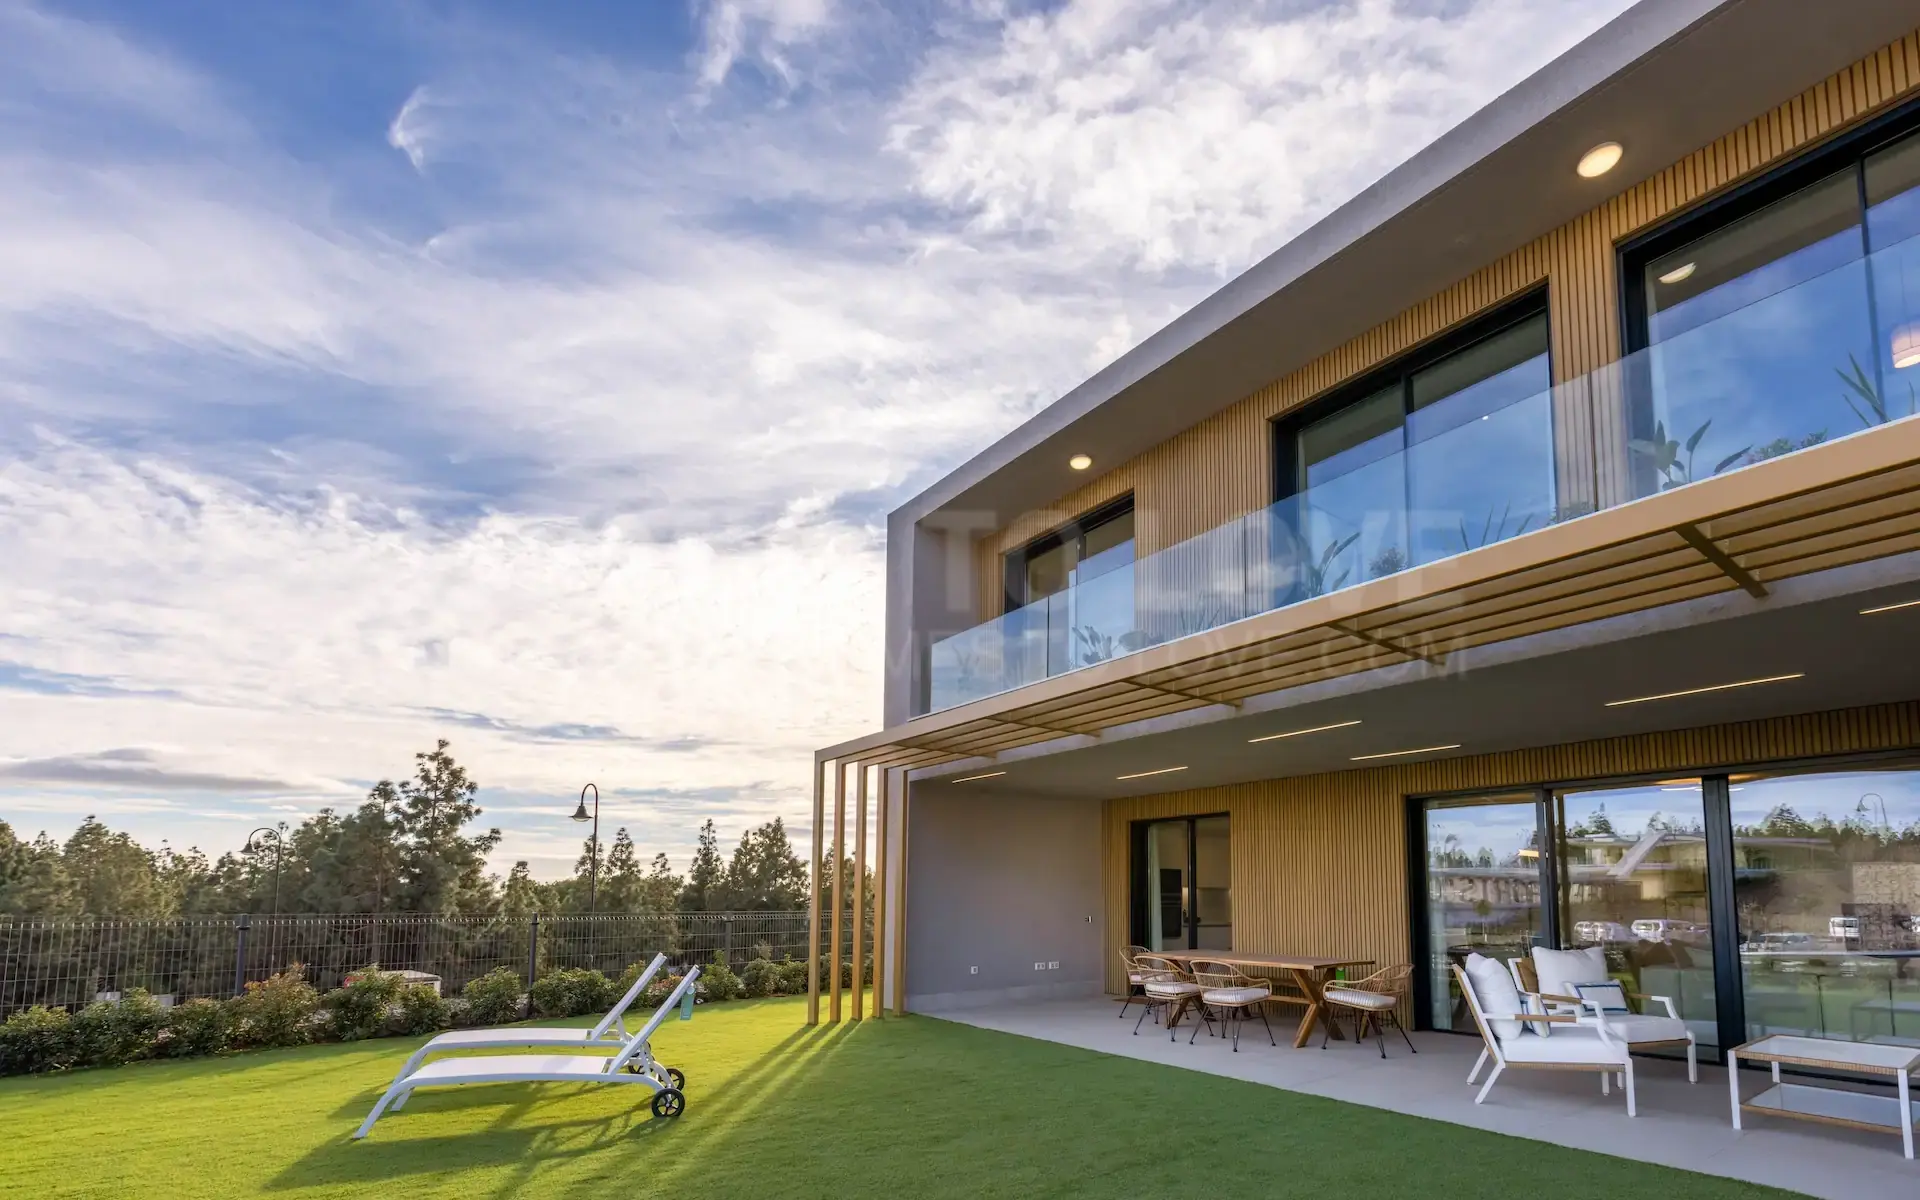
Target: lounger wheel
668 1102
678 1077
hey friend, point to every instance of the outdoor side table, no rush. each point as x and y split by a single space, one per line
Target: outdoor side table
1830 1105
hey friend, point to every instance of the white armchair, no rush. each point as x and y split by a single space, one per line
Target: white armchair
1576 983
1566 1043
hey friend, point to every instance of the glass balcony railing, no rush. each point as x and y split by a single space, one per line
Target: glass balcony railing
1820 357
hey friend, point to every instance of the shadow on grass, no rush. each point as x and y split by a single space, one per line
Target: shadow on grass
521 1137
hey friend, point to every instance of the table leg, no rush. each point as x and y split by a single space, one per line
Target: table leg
1733 1086
1309 984
1906 1116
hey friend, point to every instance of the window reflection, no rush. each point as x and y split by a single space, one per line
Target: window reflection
1633 878
1483 891
1827 870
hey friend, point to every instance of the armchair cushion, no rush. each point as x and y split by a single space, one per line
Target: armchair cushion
1640 1029
1571 1044
1559 970
1353 998
1171 989
1493 987
1235 995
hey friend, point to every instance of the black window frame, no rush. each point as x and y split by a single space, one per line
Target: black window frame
1014 568
1837 154
1399 371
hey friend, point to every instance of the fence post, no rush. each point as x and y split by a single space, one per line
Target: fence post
240 924
726 933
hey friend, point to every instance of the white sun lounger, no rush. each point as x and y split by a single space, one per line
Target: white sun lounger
634 1064
610 1033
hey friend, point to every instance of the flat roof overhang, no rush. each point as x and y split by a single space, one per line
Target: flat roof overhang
1851 501
1664 79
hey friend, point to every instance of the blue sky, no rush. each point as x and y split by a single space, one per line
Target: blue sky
539 376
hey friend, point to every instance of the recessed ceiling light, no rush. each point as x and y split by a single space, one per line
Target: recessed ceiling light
1680 274
971 778
1718 687
1080 462
1274 737
1599 160
1906 346
1867 612
1144 774
1401 753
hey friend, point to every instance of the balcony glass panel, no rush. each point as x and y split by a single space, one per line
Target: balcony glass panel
1741 376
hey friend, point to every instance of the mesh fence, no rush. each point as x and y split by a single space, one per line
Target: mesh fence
68 963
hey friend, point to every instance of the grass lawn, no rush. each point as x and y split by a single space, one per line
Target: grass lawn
911 1108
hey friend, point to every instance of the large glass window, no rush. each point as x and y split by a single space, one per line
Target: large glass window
1788 326
1451 452
1483 872
1827 871
1070 594
1632 875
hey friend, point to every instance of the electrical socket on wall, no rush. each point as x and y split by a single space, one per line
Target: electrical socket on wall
1039 966
1053 966
973 970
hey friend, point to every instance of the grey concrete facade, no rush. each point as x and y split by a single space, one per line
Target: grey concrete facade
995 886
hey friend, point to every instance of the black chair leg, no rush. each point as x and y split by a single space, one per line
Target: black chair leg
1403 1033
1149 1007
1269 1027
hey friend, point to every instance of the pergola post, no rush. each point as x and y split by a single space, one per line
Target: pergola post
859 891
813 899
839 884
882 954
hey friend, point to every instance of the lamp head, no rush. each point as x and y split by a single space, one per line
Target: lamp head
580 814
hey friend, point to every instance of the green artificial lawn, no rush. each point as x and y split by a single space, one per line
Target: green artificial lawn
906 1108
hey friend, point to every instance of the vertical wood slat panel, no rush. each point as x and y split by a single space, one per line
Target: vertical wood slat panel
1319 862
1221 468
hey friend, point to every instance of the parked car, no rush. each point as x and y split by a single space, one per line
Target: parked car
1602 932
1660 929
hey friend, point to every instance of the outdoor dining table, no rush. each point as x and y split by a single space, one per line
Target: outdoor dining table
1309 974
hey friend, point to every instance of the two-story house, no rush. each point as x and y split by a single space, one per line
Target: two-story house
1559 491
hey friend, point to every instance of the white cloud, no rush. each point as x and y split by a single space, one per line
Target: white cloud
1189 134
763 31
576 450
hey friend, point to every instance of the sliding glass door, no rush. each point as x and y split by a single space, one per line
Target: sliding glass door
1632 878
1484 891
1827 888
1182 884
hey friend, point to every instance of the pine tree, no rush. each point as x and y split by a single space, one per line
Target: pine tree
765 873
706 876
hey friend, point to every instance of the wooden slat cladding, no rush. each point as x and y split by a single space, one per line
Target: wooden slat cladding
1221 468
1319 862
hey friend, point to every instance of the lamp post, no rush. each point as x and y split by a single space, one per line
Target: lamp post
593 852
279 849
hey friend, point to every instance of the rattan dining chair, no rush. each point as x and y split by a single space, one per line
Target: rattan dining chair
1375 1001
1164 988
1131 969
1228 993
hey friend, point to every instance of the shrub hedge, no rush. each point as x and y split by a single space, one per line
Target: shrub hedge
285 1010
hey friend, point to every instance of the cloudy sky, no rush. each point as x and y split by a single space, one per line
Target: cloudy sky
539 376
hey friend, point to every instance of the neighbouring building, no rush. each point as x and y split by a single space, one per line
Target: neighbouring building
1527 553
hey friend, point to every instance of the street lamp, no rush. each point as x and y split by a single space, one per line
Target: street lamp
593 853
279 848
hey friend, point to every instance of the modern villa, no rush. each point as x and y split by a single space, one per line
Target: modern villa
1526 554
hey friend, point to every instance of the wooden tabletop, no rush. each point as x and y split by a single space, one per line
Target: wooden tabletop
1261 961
